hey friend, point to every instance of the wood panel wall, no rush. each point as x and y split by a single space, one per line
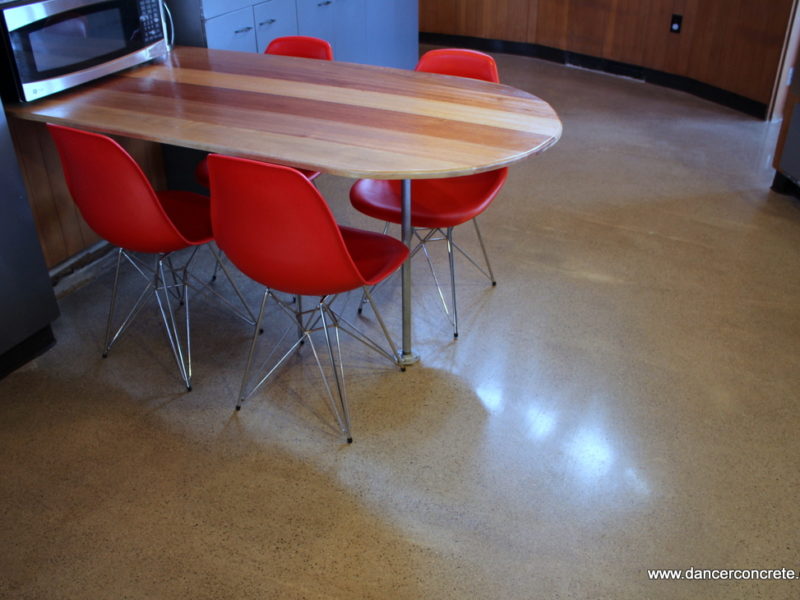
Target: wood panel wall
735 45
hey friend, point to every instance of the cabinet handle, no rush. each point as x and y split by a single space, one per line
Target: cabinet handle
326 3
243 30
267 22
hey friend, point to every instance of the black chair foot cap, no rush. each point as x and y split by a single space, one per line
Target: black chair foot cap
260 331
188 388
455 335
494 284
238 408
105 354
349 440
214 278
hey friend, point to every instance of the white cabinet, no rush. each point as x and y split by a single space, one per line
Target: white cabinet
315 18
212 8
379 32
272 19
232 31
341 22
393 33
350 33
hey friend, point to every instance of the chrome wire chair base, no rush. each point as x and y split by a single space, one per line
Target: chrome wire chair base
169 286
424 237
305 322
198 285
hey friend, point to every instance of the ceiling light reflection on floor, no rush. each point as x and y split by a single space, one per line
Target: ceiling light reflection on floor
540 423
592 454
491 398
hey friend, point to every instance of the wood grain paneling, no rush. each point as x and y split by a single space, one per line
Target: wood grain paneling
468 17
504 19
551 25
492 19
44 202
663 50
587 26
625 32
735 45
533 20
738 45
438 16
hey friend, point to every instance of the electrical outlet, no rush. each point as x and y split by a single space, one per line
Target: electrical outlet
676 23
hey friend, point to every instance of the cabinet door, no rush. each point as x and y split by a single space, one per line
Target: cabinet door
349 37
392 28
274 18
316 18
213 8
232 31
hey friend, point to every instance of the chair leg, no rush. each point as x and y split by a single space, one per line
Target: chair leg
162 288
485 254
363 294
452 279
108 341
244 392
386 333
298 299
249 317
337 367
187 323
137 306
243 388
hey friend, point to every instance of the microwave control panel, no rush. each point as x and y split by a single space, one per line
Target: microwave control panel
150 17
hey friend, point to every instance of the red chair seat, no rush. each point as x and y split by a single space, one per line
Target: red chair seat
190 213
375 256
435 202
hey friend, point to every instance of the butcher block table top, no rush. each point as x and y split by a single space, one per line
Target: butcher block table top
340 118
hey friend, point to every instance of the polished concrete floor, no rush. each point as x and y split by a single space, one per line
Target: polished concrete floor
625 399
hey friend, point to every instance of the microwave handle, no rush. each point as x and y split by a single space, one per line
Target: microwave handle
169 26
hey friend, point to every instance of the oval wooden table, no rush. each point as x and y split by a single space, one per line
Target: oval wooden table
340 118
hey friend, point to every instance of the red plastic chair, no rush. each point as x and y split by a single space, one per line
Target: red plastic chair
300 46
117 201
459 62
276 227
439 205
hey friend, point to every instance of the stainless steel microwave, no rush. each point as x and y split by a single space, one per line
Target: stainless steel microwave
53 45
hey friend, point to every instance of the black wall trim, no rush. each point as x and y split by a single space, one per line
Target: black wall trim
783 185
27 350
678 82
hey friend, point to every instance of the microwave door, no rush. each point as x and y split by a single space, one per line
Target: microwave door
69 42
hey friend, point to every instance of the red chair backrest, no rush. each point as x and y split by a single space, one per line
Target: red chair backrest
460 62
274 225
112 193
301 46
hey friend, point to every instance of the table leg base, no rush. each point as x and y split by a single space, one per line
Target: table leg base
405 360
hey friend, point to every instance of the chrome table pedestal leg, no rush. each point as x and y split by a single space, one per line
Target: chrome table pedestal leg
407 356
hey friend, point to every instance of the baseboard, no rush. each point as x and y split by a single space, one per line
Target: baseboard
784 185
677 82
33 346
